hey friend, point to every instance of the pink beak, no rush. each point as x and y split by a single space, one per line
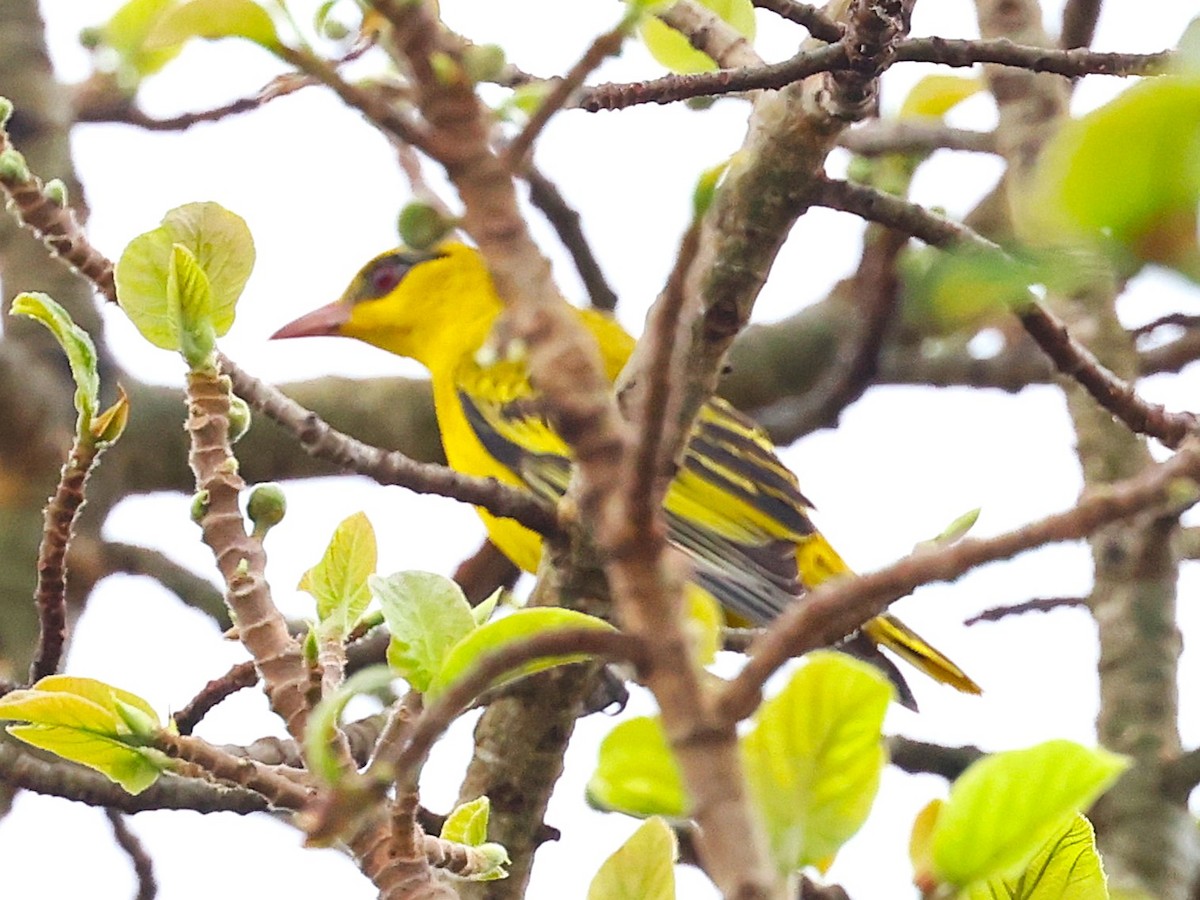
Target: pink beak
327 320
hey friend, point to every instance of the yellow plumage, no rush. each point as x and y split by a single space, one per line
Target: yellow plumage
734 508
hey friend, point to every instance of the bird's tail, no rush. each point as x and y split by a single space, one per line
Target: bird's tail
888 631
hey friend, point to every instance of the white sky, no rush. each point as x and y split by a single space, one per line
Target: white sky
320 191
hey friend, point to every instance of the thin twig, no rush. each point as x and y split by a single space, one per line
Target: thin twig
658 435
834 57
1069 356
604 46
545 195
59 517
241 675
99 99
1038 604
818 24
838 608
143 865
673 88
878 137
921 757
1001 51
321 440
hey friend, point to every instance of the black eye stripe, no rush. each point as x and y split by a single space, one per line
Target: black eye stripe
380 277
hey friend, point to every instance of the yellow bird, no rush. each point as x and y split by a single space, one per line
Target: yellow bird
733 508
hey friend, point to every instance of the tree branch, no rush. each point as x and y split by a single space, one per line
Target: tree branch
143 865
1068 355
1038 604
834 610
920 757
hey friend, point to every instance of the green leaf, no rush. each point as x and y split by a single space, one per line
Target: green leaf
213 20
1127 173
103 695
513 628
318 739
670 48
643 868
935 95
636 773
962 289
88 722
126 34
222 246
706 189
496 855
1067 867
468 822
954 532
130 767
483 610
1005 806
814 758
427 615
339 581
81 352
188 291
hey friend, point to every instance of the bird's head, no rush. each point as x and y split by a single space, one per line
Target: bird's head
412 303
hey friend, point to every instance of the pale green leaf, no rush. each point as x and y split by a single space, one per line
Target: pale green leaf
643 868
670 48
78 346
1005 806
132 768
188 291
636 773
215 19
936 94
141 276
224 249
482 611
59 710
427 615
88 722
339 581
962 290
126 33
516 626
954 532
468 822
1127 172
1067 867
105 696
815 755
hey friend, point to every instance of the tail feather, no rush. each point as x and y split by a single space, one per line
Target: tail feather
890 632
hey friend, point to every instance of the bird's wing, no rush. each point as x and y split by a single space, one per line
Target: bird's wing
732 507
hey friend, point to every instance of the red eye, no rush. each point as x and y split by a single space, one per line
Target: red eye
385 278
